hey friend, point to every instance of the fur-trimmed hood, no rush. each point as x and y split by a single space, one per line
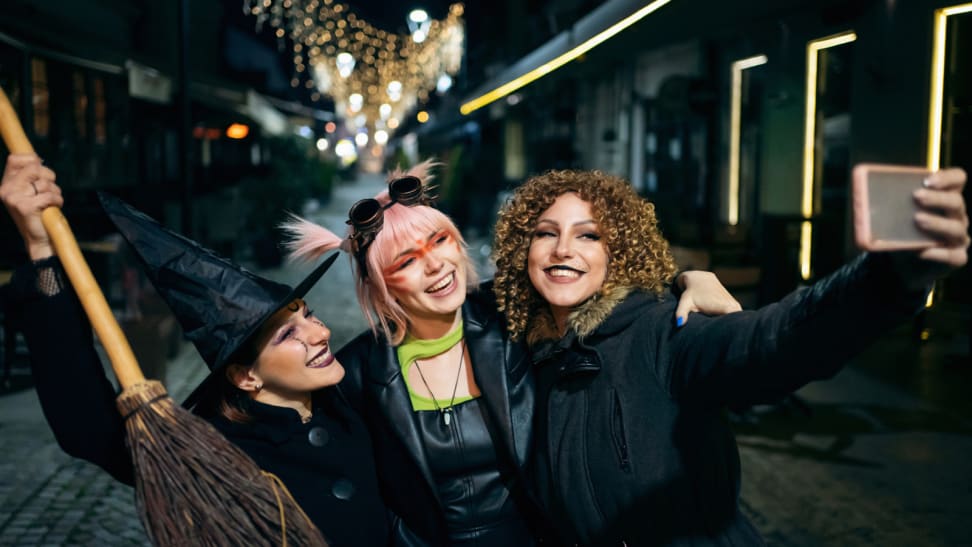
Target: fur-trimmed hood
583 321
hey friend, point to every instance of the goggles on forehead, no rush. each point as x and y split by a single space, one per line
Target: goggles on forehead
367 216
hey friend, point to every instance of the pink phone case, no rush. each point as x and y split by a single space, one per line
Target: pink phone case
884 208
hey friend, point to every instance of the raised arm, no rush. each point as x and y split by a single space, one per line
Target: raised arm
811 333
75 395
754 356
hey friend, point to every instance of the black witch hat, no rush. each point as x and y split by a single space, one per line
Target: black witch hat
218 303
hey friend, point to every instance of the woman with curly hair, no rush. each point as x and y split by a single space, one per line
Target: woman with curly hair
632 447
447 396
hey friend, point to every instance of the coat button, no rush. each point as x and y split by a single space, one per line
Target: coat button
342 489
318 436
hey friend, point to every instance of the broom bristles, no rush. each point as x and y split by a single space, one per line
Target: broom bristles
194 487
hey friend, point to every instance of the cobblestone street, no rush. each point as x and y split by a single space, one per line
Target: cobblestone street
879 455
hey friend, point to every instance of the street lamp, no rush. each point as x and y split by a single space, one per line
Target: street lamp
345 64
418 25
356 101
394 91
444 83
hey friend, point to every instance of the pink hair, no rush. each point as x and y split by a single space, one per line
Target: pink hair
307 241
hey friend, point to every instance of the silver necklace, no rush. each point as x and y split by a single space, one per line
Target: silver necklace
446 413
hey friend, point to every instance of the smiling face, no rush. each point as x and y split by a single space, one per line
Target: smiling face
295 358
427 275
567 262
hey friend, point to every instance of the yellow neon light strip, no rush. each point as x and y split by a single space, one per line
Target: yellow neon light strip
735 116
561 60
806 234
809 136
936 96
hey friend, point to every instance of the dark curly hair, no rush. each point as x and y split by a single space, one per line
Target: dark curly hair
638 254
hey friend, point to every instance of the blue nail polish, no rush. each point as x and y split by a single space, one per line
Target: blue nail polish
679 321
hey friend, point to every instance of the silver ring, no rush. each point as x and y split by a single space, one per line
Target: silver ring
34 186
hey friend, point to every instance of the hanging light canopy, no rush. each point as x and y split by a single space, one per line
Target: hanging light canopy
368 71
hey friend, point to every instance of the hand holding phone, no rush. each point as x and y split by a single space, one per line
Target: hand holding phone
885 207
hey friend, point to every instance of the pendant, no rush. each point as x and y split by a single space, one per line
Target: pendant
447 416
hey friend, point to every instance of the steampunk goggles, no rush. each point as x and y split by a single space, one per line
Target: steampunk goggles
367 216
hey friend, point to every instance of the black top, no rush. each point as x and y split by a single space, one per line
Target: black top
327 464
477 505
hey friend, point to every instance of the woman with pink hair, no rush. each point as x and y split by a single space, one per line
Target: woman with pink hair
447 396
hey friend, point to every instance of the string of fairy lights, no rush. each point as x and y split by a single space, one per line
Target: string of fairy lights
375 77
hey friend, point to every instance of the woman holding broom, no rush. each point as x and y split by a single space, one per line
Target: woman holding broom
272 370
448 398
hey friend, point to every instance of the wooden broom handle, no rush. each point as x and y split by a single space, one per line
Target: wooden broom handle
66 247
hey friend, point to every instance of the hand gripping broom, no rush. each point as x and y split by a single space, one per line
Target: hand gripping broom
192 486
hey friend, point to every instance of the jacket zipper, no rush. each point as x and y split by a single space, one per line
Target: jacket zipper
620 438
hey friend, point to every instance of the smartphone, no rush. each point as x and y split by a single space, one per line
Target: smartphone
884 207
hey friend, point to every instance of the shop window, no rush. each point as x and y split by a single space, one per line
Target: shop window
514 158
832 171
80 105
40 97
744 139
826 168
950 118
11 67
676 134
956 130
100 111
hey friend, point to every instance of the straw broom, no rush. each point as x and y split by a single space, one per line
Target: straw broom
192 486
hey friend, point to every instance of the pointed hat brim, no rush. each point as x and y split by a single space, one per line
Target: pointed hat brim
299 291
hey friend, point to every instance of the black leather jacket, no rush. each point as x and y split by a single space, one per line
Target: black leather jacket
375 385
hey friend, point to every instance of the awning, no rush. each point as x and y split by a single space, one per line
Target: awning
52 54
249 103
590 31
147 83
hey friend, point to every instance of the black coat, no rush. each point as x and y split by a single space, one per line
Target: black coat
633 445
326 464
374 383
